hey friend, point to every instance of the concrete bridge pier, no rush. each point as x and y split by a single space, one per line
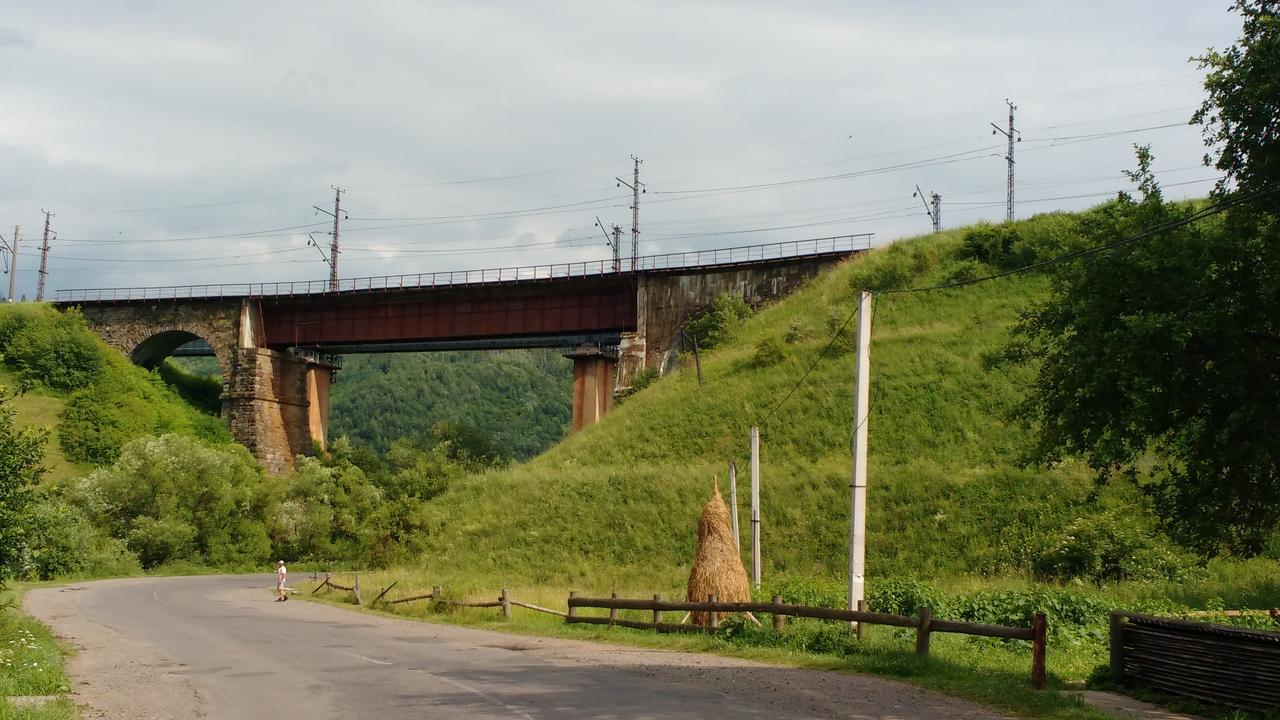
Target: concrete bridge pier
595 372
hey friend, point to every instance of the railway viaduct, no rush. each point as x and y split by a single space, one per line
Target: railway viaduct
279 344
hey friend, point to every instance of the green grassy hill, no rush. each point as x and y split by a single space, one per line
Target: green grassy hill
90 397
947 494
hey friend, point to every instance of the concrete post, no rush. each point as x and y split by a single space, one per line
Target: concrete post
594 372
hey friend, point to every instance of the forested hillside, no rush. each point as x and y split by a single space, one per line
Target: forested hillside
519 398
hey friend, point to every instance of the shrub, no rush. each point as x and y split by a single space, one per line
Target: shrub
60 541
1104 548
716 324
897 266
796 332
158 541
174 498
903 596
57 352
643 379
769 351
991 244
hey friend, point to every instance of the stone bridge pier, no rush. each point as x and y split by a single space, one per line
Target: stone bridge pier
275 402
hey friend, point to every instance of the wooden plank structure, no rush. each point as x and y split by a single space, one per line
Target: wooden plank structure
1218 664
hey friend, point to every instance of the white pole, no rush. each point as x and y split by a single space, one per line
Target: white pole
755 506
858 482
733 502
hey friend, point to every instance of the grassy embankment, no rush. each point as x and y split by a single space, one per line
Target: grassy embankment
30 664
614 508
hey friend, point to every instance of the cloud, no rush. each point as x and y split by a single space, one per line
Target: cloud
13 37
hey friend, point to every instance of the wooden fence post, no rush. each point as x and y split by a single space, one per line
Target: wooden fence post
356 590
385 590
715 616
506 604
613 612
925 616
573 611
862 627
657 614
1116 641
779 620
1037 651
436 592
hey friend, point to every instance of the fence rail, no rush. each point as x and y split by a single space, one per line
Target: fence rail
742 254
923 621
1218 664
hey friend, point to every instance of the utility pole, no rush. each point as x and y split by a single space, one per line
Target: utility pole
858 479
333 245
614 244
637 187
755 506
933 207
13 263
1011 133
44 257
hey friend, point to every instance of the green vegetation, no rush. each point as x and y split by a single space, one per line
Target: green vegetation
30 664
518 398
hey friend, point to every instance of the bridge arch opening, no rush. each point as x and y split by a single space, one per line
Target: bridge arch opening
188 363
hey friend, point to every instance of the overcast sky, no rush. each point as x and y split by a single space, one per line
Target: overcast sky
485 134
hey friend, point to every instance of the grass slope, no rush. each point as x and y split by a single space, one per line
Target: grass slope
946 495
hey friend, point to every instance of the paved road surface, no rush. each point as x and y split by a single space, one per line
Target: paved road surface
220 648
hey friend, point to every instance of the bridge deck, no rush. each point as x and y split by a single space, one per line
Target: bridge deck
668 262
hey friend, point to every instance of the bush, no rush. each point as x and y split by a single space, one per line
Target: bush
903 596
991 244
57 352
897 266
158 541
796 332
60 541
769 351
174 498
1104 548
716 324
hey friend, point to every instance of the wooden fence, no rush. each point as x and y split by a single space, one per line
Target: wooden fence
1219 664
922 622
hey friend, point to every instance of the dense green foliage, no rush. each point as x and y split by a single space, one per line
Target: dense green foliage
521 399
716 324
21 451
1168 346
1243 100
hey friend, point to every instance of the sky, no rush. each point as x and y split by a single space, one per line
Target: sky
186 143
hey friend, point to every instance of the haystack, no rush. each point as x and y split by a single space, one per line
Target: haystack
717 566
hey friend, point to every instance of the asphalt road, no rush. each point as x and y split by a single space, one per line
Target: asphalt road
220 648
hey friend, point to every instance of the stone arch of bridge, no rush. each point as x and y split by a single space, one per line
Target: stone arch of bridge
150 348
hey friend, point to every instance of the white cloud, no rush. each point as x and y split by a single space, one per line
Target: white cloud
250 111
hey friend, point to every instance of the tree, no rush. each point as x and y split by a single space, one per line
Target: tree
1241 116
21 452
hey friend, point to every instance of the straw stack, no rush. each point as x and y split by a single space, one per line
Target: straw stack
717 566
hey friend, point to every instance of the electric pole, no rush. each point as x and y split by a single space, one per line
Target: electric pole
637 187
44 257
858 475
11 252
615 244
13 263
1010 133
933 207
333 245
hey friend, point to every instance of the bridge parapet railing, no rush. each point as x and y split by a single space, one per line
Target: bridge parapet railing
487 276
